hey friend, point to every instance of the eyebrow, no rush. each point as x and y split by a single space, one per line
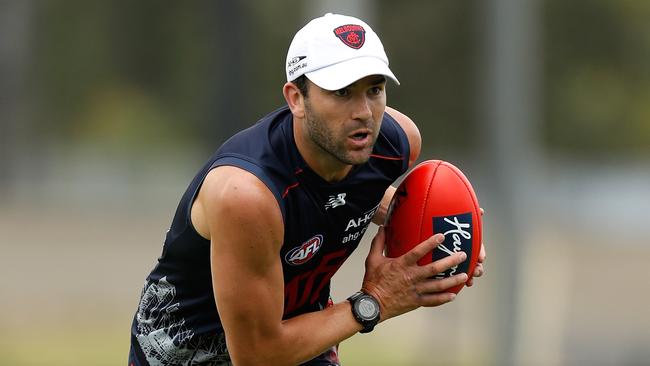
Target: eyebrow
380 79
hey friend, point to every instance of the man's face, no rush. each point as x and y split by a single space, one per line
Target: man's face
345 123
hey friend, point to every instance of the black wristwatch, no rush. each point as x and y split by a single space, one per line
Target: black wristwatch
365 309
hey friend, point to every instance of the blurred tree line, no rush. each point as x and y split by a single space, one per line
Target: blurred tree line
143 75
597 76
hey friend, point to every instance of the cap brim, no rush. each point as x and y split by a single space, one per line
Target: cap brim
342 74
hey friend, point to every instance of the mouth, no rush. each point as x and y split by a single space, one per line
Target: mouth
360 139
360 135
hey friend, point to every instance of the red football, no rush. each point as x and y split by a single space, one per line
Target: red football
436 197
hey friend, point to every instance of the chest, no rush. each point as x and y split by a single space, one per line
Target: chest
320 221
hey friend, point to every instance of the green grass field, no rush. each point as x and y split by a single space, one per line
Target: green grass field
66 345
108 344
83 346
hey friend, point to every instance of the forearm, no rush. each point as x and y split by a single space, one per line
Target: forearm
296 340
382 211
317 331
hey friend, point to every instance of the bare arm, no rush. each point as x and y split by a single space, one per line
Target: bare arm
415 145
246 230
243 220
412 133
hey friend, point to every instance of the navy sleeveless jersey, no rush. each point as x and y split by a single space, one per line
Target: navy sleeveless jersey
177 319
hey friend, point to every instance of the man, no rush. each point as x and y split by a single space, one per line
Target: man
245 271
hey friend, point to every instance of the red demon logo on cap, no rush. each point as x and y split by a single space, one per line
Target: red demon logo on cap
351 35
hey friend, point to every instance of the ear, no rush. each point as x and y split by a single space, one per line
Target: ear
294 99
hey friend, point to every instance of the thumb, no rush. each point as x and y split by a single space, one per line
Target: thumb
378 243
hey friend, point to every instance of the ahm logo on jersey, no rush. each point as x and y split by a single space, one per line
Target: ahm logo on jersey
301 254
335 201
458 238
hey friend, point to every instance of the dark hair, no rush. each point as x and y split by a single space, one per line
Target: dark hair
303 85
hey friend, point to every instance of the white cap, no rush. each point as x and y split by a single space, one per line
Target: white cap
336 50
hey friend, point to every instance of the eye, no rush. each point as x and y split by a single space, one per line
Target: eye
376 90
342 92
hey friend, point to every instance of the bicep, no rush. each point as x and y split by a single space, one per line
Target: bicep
245 226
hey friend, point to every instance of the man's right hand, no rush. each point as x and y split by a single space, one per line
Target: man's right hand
401 285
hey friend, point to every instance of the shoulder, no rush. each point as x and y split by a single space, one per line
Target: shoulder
233 188
235 203
411 130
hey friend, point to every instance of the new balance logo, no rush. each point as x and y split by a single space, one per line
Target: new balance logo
335 201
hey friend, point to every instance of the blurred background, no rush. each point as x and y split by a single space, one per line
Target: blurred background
108 108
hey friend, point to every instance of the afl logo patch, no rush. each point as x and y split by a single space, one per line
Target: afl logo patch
351 35
306 251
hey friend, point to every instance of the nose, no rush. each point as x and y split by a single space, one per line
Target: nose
361 109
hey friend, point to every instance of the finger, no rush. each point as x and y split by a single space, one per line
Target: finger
414 255
439 266
482 211
440 285
440 298
481 255
478 271
378 243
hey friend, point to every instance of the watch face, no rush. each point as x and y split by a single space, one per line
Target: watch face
367 308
